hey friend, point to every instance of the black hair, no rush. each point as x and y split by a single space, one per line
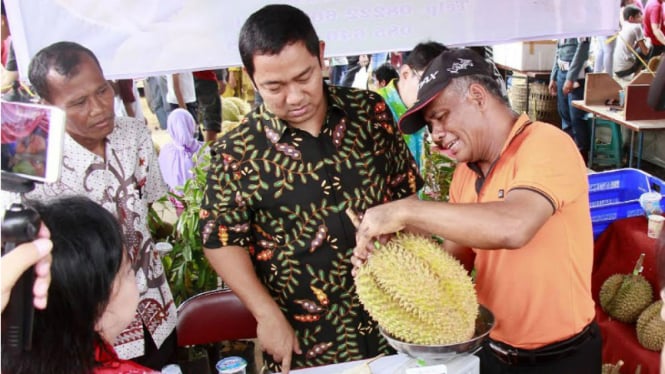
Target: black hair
63 57
273 27
631 11
87 255
386 72
423 53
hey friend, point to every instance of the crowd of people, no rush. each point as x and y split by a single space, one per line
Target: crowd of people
273 222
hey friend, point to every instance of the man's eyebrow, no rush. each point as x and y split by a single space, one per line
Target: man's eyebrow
305 72
76 99
301 75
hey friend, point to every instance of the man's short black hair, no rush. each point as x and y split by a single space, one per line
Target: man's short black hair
63 57
271 28
423 53
385 73
631 11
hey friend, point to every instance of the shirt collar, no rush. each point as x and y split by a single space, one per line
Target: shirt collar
520 124
83 156
275 128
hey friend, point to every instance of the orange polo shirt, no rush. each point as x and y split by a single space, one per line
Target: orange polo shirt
541 293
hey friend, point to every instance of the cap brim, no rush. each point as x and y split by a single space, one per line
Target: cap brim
413 120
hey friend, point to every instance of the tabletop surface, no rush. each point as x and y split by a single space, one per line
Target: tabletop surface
619 116
397 364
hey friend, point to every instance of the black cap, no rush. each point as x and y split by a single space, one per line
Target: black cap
450 64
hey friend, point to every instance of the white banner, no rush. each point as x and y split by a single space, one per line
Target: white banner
137 38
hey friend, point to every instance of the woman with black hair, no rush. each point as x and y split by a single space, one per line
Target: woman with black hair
91 299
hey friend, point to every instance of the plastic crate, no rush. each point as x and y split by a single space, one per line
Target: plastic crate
615 195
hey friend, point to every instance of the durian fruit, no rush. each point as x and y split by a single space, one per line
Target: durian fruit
234 110
625 296
651 327
612 368
228 126
417 292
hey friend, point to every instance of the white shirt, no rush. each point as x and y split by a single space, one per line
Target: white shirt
124 183
187 89
630 34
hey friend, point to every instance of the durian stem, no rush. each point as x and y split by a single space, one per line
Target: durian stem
616 369
638 266
375 358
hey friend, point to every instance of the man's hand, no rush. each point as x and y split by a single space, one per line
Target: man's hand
278 339
568 87
552 87
16 262
375 229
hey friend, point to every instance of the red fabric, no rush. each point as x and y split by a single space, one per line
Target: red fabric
616 251
653 14
5 49
110 363
205 75
126 90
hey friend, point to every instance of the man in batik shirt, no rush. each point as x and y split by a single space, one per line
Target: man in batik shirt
273 219
112 161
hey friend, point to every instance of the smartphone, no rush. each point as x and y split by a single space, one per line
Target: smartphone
32 140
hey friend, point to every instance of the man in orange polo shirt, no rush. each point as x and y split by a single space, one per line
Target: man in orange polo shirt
519 205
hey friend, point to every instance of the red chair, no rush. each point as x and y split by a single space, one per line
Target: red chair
214 316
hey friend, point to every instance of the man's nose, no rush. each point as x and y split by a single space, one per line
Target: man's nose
438 133
97 104
294 94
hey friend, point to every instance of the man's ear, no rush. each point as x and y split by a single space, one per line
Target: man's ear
322 49
405 71
477 94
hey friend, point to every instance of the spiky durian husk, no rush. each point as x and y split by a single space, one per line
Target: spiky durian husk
625 296
417 292
651 328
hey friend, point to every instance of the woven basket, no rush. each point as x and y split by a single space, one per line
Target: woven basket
517 92
542 105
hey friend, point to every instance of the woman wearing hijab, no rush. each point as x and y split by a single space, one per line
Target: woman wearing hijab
175 158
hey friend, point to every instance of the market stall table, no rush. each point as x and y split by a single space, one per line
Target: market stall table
396 364
615 252
618 116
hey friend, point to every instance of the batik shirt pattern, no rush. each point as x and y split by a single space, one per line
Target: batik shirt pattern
125 182
282 194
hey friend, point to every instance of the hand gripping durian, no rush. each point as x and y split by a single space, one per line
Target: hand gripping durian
417 292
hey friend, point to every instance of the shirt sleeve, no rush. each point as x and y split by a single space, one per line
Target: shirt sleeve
579 59
225 209
548 162
404 174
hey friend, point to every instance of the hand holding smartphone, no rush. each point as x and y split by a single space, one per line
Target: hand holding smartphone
32 146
